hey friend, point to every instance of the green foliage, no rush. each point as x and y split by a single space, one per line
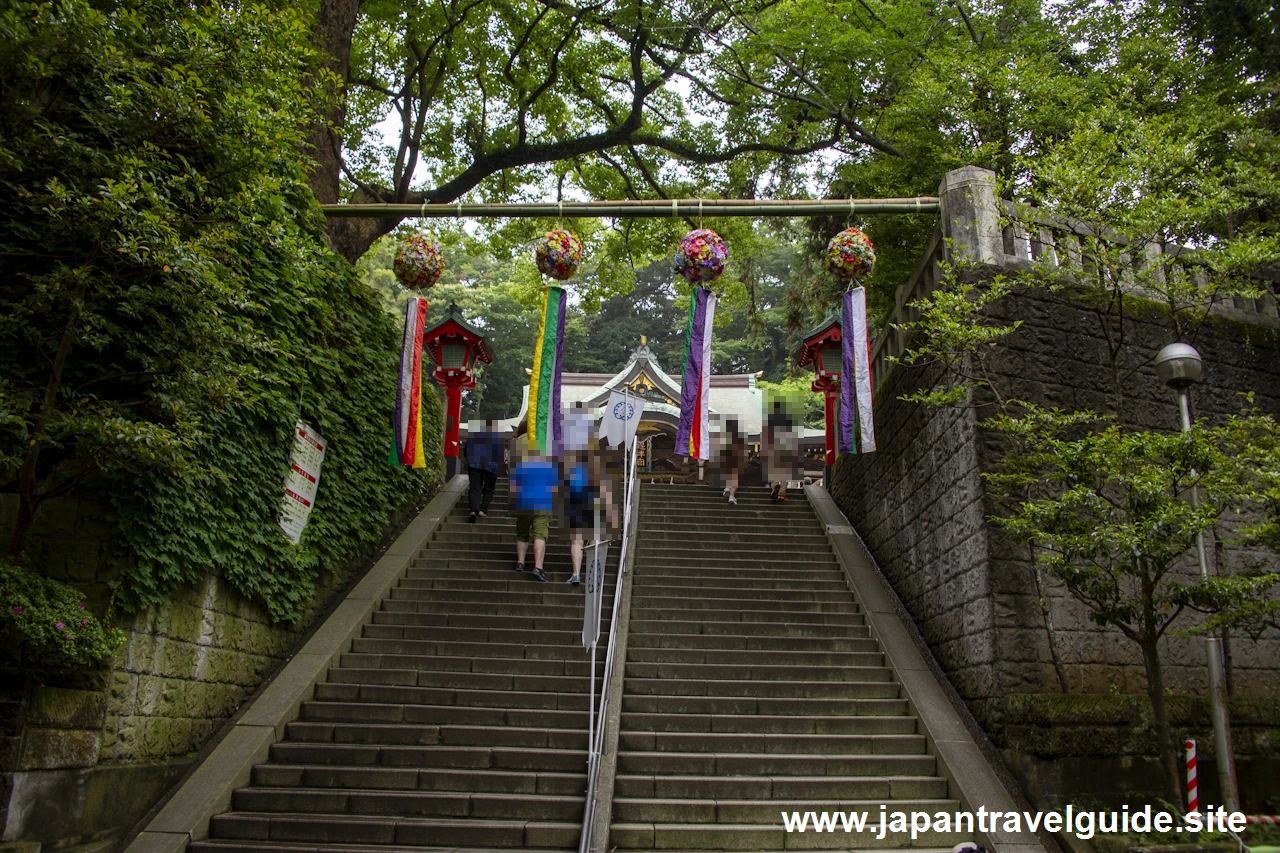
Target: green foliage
47 625
1111 511
159 232
796 394
956 337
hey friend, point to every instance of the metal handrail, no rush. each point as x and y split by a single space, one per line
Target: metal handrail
596 744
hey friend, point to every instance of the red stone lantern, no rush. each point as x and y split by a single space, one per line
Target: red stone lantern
824 351
457 348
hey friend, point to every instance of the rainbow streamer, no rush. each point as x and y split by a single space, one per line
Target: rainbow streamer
855 376
406 449
693 435
544 385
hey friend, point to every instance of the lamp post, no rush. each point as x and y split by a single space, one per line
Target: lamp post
457 347
822 349
1179 367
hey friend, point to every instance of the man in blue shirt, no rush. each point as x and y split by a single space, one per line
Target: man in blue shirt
533 485
484 450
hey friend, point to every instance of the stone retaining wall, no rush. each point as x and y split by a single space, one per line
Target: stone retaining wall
919 504
79 767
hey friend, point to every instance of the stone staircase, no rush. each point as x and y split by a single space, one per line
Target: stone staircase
458 720
753 687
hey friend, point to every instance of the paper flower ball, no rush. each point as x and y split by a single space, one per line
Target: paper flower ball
701 256
418 263
558 254
850 254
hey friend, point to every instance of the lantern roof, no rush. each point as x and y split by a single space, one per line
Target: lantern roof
453 325
828 331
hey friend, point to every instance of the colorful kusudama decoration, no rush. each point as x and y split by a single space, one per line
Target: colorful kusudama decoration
692 436
545 430
558 254
407 446
419 262
850 255
855 376
701 256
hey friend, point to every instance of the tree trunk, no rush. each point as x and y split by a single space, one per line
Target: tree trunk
28 499
1049 631
332 32
1164 734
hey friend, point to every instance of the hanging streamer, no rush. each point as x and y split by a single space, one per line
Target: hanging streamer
544 385
407 446
855 376
693 436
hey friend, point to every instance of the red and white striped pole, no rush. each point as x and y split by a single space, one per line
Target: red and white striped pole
1193 791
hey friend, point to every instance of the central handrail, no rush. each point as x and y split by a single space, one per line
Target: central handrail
596 743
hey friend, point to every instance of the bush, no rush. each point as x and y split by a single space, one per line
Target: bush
52 627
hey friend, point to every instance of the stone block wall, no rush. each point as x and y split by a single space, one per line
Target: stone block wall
186 667
80 767
917 504
920 505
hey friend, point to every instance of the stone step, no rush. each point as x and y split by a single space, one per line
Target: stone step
825 788
533 594
741 560
731 612
447 648
475 609
760 598
725 836
648 546
721 511
694 643
418 757
751 705
769 673
775 568
475 574
816 626
762 811
409 779
766 743
447 634
753 657
472 665
538 622
480 584
770 724
391 804
406 831
712 508
779 764
701 686
452 697
686 583
239 845
425 735
749 535
497 681
455 564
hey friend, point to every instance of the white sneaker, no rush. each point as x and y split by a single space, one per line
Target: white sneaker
726 491
733 499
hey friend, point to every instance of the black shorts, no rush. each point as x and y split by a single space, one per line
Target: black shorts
580 516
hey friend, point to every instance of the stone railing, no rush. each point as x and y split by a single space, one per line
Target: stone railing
978 226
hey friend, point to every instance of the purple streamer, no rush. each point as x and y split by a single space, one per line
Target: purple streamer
692 371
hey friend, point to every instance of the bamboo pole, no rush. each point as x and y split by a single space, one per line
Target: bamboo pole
633 209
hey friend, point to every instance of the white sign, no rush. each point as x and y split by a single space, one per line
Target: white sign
621 418
597 554
301 482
